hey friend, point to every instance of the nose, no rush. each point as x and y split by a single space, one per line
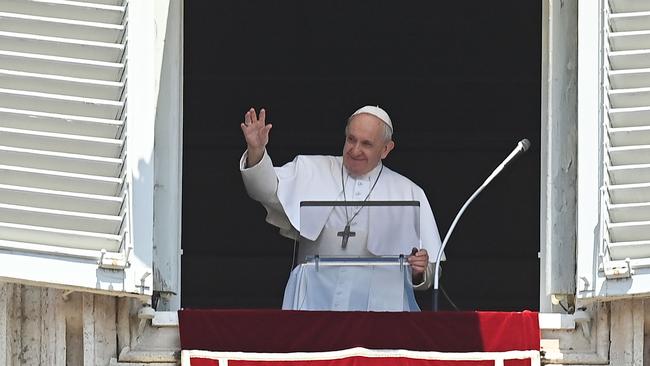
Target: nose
354 149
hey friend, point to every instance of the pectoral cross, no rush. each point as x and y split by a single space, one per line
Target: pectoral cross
345 235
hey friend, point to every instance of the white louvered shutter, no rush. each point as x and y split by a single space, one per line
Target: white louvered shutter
623 267
65 200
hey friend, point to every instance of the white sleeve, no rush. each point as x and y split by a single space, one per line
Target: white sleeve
427 279
261 182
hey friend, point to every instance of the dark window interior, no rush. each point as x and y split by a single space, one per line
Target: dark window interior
461 81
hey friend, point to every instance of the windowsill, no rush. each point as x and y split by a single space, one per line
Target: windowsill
547 321
556 321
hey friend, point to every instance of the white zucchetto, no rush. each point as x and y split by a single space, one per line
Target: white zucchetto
377 112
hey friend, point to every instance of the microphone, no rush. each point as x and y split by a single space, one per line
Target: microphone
522 146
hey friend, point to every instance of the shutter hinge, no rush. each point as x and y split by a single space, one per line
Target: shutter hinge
117 261
617 269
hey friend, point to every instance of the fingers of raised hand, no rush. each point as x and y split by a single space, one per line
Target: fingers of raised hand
251 118
247 117
262 118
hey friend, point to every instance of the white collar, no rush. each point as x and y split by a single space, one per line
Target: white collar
370 176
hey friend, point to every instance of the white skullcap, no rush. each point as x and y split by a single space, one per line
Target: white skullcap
377 112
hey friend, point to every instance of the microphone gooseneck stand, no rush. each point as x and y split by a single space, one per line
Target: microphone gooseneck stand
521 147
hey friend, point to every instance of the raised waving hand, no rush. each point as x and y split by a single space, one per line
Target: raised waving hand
256 133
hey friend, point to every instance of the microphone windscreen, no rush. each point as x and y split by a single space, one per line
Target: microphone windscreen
525 144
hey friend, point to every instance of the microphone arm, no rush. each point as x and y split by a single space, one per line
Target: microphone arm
521 147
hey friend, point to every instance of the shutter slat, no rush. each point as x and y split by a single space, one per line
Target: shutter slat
626 79
624 22
628 212
73 10
630 98
55 103
105 2
630 155
636 59
629 174
632 40
59 219
60 123
61 85
628 136
59 237
64 47
633 249
629 117
62 28
629 193
62 162
68 182
629 231
627 6
62 66
73 144
45 198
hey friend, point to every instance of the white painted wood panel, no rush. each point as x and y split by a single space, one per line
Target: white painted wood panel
616 257
73 187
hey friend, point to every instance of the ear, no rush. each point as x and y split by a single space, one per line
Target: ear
387 149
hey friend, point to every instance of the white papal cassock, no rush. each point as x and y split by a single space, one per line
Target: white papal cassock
322 178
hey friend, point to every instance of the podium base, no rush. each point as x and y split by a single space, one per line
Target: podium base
350 287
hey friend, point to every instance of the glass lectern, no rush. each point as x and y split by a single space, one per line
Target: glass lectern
352 256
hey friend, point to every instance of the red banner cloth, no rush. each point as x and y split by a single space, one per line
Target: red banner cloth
356 361
316 331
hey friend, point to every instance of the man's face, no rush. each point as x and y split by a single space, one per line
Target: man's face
365 145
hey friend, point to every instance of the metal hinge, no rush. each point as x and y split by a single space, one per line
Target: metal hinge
617 269
117 261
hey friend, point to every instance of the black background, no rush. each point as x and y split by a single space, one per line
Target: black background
461 82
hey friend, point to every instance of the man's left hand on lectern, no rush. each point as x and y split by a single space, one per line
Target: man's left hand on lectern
419 262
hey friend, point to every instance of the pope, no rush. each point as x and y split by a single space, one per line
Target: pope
359 174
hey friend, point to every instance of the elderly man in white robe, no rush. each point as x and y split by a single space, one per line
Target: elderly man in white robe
360 174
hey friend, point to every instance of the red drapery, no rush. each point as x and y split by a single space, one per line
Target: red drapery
276 331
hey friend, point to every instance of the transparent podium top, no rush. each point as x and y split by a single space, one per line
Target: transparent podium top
358 229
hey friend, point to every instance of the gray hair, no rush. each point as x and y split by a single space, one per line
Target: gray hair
388 132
